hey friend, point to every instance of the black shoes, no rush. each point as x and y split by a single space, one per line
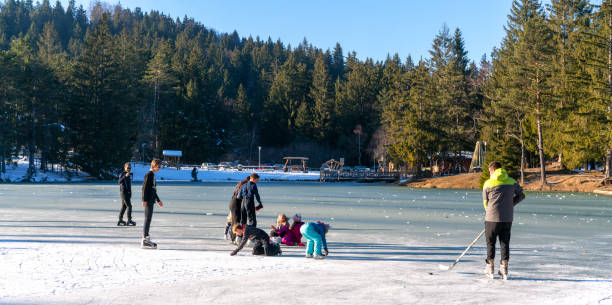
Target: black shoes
122 223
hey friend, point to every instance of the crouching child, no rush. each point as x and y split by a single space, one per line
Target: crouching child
314 232
261 240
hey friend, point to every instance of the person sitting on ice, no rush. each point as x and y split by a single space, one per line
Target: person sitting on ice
294 236
314 232
261 241
281 228
500 194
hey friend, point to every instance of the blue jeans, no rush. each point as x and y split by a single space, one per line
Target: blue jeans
313 238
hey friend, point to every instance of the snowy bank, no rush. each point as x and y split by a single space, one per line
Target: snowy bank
184 174
18 173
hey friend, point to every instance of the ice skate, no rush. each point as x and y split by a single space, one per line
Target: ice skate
317 256
148 244
131 223
503 270
308 255
121 223
489 269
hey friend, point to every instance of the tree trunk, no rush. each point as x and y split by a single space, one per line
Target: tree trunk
608 163
540 145
609 149
522 156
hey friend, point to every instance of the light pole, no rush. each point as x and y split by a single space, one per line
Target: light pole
259 147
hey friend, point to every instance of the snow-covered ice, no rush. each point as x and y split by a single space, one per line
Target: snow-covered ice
59 245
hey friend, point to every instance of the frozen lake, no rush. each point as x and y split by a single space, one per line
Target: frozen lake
59 245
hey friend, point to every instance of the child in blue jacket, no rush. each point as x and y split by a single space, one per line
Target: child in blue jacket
314 232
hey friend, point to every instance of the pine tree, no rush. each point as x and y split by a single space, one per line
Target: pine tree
322 95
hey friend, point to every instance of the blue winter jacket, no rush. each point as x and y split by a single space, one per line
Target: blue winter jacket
249 190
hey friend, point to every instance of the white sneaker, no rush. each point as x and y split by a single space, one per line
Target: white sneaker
489 269
308 255
503 270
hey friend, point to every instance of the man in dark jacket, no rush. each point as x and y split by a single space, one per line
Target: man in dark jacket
149 197
249 193
125 189
500 194
261 240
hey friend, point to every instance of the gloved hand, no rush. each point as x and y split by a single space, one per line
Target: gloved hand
325 252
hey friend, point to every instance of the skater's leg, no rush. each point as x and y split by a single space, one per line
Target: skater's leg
306 233
491 236
504 240
266 246
123 207
243 211
128 204
147 222
252 220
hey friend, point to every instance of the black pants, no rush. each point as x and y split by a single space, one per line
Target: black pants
126 205
235 207
148 215
493 231
262 247
247 212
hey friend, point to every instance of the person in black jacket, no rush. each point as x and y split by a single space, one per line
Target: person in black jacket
249 193
235 202
149 197
261 240
125 189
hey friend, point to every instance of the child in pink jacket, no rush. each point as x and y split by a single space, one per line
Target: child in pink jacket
294 236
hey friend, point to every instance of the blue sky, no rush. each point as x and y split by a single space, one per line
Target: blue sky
371 28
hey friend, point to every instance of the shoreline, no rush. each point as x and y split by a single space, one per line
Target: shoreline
558 181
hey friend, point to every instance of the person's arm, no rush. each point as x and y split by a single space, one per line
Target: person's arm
147 187
485 197
245 238
122 177
256 193
519 195
321 229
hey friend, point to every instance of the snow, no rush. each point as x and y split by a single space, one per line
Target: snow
59 245
18 173
184 174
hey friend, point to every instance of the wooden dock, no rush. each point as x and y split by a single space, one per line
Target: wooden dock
360 176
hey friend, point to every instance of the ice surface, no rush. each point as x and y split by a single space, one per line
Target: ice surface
59 245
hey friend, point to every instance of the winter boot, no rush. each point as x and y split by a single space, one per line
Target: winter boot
121 223
131 222
503 270
148 244
489 269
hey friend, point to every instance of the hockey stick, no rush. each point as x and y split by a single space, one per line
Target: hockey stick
449 267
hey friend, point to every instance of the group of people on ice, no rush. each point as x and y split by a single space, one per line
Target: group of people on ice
500 194
242 219
242 225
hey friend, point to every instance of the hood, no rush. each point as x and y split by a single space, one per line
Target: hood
500 175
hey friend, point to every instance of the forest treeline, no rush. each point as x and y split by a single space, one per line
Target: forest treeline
92 89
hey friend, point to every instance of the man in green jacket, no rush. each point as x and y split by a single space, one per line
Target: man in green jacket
500 194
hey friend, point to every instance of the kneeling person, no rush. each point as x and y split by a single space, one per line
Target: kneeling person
261 240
